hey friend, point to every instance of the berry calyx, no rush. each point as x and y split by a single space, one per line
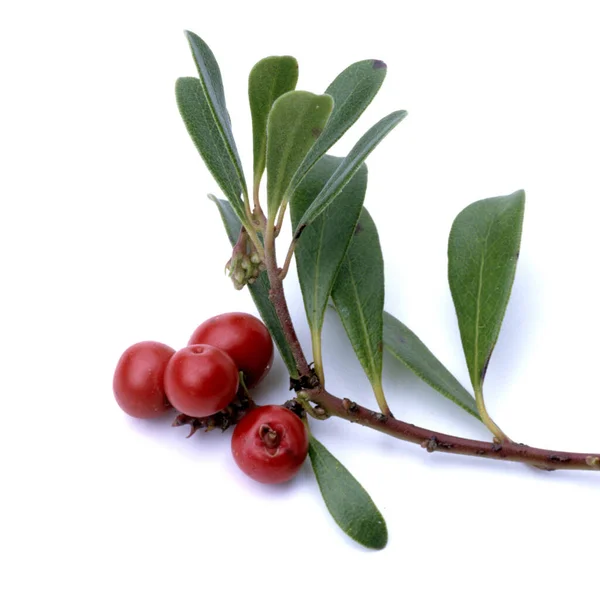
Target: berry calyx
270 444
201 380
244 337
138 380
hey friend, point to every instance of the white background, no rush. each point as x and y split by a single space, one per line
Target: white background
107 238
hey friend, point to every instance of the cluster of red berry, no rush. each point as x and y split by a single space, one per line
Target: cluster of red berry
269 444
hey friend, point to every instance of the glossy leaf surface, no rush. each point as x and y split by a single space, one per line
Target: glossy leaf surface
358 295
348 167
295 122
270 78
352 91
483 249
403 344
322 247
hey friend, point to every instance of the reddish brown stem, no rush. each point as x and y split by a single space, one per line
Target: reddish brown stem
433 441
277 297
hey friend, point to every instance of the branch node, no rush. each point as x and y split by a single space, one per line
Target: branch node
555 458
383 418
349 406
296 407
320 411
431 445
593 462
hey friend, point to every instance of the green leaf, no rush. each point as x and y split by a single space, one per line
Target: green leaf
347 501
358 294
352 91
323 245
212 86
403 344
259 290
296 120
196 114
270 78
482 258
348 168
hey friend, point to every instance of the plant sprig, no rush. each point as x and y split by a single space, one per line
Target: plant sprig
338 258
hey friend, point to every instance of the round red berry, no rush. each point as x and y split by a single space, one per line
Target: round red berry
138 380
201 380
270 444
244 338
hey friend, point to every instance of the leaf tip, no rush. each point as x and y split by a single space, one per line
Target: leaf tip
378 541
383 542
379 64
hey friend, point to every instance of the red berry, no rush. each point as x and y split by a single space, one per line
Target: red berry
270 444
201 380
138 380
244 338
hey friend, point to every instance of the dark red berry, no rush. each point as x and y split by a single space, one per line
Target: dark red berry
270 444
138 380
244 338
201 380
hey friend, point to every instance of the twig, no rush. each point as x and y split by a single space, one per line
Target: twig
433 441
277 297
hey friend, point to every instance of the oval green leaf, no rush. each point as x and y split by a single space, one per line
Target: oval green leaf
295 122
196 115
348 167
259 290
403 344
358 295
483 249
349 504
322 247
212 86
352 91
270 78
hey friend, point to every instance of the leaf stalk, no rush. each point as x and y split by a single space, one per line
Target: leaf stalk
318 355
288 259
499 435
280 217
